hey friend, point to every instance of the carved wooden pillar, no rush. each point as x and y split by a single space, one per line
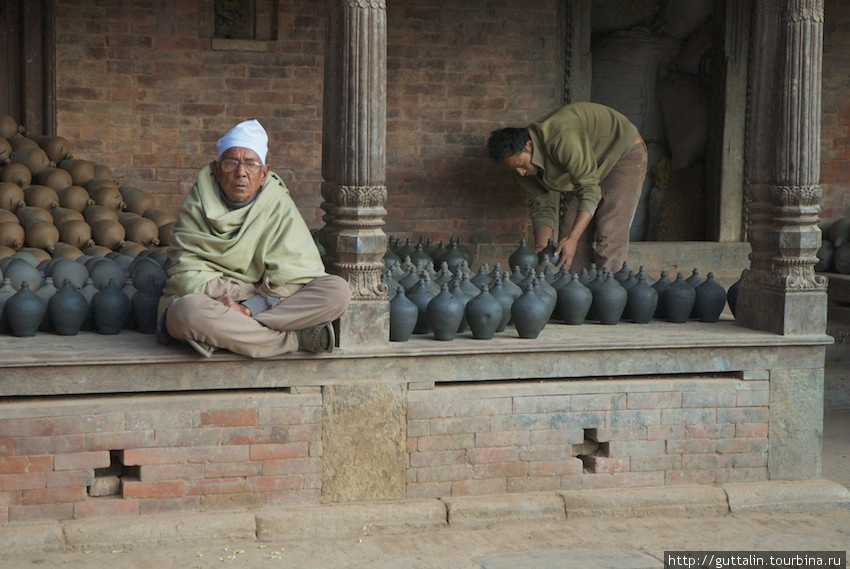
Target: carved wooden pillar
354 162
781 292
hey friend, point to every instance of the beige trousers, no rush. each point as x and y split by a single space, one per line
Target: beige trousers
606 240
267 334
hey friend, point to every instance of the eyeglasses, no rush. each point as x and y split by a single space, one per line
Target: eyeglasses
231 164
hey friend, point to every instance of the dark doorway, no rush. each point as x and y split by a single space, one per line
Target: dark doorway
27 63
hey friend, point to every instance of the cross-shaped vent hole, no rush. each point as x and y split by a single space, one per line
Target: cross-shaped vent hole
107 481
589 449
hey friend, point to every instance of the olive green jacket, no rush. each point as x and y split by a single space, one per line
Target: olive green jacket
574 148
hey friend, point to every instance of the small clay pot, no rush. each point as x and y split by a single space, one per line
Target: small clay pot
75 197
17 174
44 197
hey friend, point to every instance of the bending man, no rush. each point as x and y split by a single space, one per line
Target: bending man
245 274
582 169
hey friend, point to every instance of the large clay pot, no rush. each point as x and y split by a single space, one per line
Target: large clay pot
138 201
17 174
6 292
463 296
108 233
642 300
546 292
529 313
75 198
484 314
141 230
445 314
57 148
732 294
660 286
67 270
144 306
695 279
609 301
421 295
505 299
522 256
102 270
11 196
12 235
710 299
110 307
403 316
45 292
35 159
82 171
67 310
19 271
41 235
55 178
678 299
88 291
454 257
574 300
24 312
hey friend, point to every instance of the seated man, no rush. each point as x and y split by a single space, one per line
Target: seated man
245 274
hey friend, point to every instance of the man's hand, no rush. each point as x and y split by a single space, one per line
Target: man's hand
226 300
567 251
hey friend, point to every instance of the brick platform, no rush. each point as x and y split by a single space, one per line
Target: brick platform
94 427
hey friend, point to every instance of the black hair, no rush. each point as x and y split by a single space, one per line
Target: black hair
506 142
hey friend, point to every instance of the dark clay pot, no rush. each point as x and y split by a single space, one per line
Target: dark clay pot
642 301
732 295
403 316
484 314
825 255
678 299
421 295
499 293
574 300
110 307
6 292
660 286
144 306
609 301
529 313
24 312
710 299
445 313
67 310
522 256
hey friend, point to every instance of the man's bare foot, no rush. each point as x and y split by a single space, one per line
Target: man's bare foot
226 300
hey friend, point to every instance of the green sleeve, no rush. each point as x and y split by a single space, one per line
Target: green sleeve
573 149
544 204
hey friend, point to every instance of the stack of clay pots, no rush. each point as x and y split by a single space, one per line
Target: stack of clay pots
447 301
54 207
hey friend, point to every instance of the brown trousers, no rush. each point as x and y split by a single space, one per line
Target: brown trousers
606 240
267 334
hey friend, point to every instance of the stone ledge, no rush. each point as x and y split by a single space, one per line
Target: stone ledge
800 495
479 512
473 512
671 501
351 520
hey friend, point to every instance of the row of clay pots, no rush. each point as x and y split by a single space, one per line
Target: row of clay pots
86 299
528 301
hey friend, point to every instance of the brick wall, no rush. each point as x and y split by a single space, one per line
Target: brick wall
835 134
140 89
573 435
158 454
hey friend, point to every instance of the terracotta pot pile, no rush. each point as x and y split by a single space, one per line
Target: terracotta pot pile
55 207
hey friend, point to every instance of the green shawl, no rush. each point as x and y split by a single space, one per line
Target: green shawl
267 239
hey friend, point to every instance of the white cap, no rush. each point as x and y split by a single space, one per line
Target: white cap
247 134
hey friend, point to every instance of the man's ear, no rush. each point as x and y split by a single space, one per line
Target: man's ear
529 146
